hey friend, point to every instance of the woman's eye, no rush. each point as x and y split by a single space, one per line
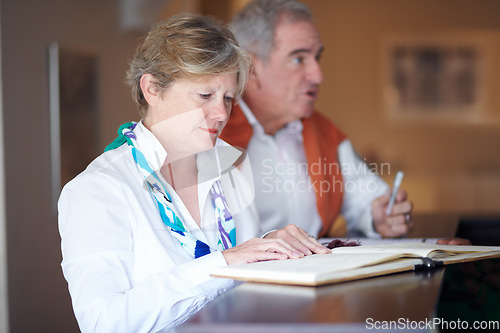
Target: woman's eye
205 96
228 99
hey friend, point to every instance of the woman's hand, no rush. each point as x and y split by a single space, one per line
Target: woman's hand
258 249
299 240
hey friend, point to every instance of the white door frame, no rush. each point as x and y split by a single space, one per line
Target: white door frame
4 302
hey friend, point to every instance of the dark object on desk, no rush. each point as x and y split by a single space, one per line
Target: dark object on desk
339 243
428 263
484 230
471 293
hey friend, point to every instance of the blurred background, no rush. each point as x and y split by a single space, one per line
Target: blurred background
448 149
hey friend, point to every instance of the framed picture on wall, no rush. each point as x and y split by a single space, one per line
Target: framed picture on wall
434 77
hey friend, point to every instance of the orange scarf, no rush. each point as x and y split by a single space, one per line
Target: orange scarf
321 139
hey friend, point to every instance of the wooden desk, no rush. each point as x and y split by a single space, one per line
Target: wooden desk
337 308
343 307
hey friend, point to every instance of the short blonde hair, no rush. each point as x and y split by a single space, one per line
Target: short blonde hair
187 46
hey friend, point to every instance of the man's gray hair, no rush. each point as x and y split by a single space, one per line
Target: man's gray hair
254 26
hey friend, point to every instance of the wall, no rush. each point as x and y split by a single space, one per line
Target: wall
38 296
450 166
4 311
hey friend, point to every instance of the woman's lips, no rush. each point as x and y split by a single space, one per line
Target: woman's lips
210 130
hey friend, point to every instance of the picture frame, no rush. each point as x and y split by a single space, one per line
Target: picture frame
439 77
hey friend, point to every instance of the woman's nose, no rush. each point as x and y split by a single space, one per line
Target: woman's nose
219 111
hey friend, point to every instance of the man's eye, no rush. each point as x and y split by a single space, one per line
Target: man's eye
298 60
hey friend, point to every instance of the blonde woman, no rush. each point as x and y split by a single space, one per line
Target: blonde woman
143 225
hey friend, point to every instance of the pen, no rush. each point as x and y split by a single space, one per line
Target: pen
395 188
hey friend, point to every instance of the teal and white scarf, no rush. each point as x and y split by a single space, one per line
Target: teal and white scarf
166 209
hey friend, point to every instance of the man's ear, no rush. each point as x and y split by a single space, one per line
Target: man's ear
257 67
150 89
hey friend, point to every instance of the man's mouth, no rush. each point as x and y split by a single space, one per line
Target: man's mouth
312 93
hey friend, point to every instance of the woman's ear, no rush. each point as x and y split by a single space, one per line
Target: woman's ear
150 90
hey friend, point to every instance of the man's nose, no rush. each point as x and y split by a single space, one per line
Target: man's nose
315 74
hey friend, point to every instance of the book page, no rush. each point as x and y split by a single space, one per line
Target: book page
447 248
307 270
445 253
410 249
351 263
380 241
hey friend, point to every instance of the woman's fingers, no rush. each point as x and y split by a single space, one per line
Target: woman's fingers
290 242
299 239
260 249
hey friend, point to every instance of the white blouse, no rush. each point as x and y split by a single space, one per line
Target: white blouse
125 270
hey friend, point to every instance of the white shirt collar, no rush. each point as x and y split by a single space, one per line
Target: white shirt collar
294 127
210 163
149 145
257 127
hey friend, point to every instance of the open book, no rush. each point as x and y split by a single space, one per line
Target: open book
352 263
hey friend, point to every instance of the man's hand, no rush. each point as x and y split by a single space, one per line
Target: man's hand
453 241
298 239
399 222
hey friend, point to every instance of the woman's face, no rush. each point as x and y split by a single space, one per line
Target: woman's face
191 113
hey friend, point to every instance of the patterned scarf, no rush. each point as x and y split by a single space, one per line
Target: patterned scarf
166 209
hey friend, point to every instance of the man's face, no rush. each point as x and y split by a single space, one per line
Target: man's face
288 83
